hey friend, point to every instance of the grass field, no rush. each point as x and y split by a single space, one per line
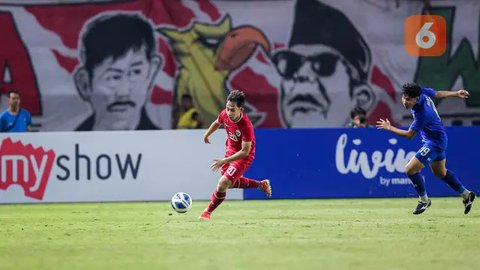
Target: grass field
278 234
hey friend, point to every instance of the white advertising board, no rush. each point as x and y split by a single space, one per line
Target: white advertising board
108 166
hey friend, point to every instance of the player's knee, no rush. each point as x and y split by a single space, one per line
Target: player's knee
223 184
409 170
440 173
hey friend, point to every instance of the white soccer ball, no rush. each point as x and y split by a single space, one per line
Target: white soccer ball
181 202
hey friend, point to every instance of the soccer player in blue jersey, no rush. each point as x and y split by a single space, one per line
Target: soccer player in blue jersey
419 101
15 119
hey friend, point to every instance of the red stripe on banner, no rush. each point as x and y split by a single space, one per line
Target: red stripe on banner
278 45
266 96
68 20
66 62
161 96
16 67
169 65
261 57
382 110
383 81
209 8
175 13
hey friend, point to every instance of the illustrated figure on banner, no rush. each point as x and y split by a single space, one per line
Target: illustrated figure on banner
324 70
119 64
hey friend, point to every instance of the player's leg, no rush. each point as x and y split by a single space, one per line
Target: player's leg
217 197
244 182
263 185
412 169
440 170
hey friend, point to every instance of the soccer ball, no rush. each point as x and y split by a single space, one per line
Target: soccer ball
181 202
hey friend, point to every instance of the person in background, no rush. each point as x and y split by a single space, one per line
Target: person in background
188 114
15 119
358 119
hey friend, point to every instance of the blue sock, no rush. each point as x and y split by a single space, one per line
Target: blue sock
418 183
452 180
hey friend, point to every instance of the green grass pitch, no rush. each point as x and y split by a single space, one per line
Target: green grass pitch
278 234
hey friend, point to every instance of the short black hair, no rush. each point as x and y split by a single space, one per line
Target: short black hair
113 36
238 97
184 96
357 111
411 90
13 92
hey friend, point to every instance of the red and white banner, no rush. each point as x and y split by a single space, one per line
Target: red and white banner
303 63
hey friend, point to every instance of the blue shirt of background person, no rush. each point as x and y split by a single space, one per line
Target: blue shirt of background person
15 119
427 121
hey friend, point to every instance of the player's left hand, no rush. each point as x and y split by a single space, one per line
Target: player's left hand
463 94
217 164
383 124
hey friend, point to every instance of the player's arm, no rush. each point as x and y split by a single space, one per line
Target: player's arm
29 123
218 163
212 128
1 122
243 153
460 94
385 124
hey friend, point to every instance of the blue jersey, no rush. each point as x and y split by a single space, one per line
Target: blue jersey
8 124
427 121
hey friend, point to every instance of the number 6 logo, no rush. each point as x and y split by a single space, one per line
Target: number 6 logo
425 35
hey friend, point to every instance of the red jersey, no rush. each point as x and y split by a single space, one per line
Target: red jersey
239 131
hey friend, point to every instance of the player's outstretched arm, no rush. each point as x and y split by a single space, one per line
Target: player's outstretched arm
242 153
212 128
460 94
385 124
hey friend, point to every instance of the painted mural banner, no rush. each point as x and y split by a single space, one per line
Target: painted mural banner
125 65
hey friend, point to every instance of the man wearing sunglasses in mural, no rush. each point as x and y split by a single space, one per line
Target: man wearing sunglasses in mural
325 69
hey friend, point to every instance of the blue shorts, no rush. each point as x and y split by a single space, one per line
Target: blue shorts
428 154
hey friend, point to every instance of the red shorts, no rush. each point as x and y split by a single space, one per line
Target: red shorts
235 169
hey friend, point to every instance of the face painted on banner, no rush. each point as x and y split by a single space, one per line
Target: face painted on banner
324 74
119 89
116 82
315 90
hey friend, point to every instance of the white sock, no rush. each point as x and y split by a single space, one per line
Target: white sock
424 198
465 193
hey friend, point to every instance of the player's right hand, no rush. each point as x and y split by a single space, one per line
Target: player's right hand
206 140
463 94
383 124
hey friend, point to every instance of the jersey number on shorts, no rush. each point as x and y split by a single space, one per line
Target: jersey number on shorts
231 170
424 151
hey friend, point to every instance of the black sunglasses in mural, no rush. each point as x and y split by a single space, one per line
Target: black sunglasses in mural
288 63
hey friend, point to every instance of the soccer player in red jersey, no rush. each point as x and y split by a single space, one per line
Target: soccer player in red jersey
239 154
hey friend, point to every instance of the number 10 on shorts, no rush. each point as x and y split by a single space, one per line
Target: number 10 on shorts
425 35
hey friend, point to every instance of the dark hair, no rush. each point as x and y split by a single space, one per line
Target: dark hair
357 111
238 97
184 96
113 36
411 90
362 119
13 92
